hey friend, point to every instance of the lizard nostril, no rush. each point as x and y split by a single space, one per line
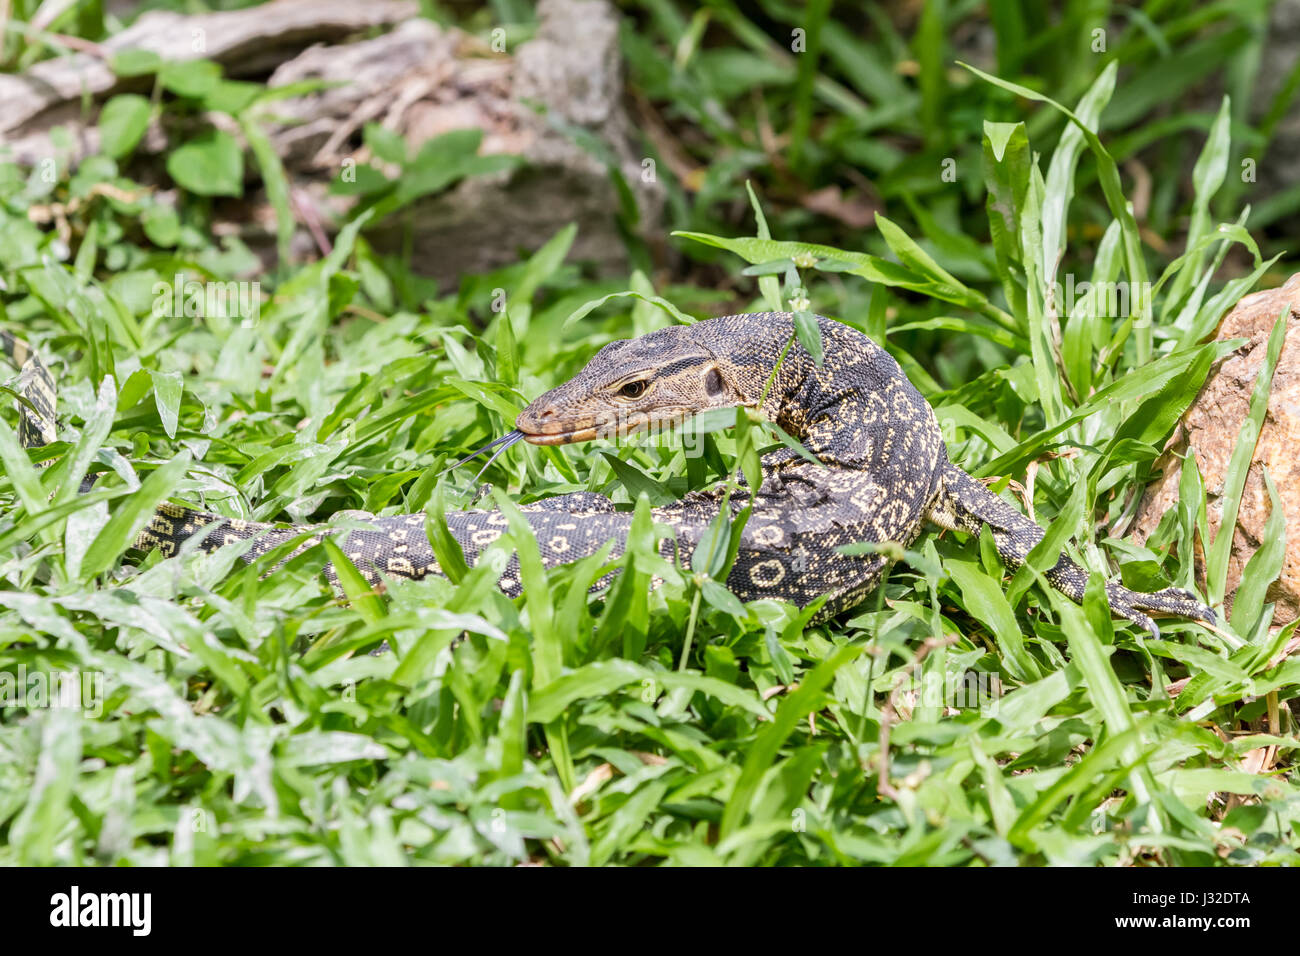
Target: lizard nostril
548 413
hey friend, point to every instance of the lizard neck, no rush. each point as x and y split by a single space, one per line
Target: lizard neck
856 410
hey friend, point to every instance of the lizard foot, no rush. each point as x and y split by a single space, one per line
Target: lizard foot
1179 602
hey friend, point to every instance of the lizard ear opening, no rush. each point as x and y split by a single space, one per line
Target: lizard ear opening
713 382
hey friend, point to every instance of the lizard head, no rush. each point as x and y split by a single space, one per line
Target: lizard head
653 381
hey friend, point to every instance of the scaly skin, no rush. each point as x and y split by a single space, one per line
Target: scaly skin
882 471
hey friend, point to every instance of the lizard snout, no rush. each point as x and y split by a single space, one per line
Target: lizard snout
538 420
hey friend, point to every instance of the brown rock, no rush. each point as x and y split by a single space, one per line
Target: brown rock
555 102
246 43
422 80
1211 427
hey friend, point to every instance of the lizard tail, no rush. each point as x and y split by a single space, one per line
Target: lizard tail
172 524
37 390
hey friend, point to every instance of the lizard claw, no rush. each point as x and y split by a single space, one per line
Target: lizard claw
1180 602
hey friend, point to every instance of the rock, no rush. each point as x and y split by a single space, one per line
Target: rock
1278 169
1211 427
421 81
556 102
246 43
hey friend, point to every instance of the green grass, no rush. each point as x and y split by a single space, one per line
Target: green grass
242 720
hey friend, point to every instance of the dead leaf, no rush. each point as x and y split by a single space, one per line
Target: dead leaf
853 210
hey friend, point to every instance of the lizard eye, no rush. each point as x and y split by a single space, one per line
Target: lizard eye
633 389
